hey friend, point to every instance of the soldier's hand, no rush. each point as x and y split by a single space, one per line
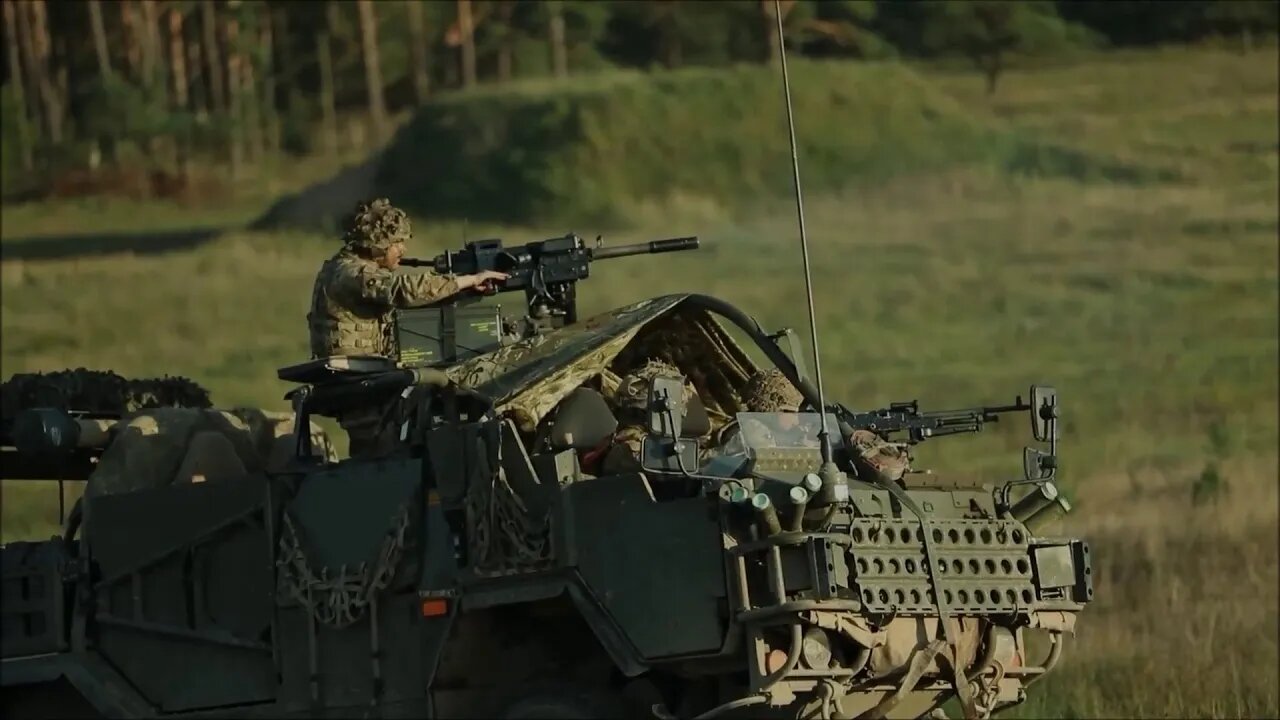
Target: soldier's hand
482 281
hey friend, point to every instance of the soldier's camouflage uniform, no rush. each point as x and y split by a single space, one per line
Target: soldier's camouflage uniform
631 400
353 296
353 299
877 459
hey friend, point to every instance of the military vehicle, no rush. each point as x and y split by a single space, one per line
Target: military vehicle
477 560
482 567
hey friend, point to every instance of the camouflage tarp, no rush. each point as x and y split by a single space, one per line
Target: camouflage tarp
97 391
529 378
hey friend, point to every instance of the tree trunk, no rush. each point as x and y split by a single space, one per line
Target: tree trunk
324 58
178 76
11 32
505 50
772 40
270 118
418 50
99 29
213 59
41 49
132 41
286 75
555 34
199 93
235 121
252 110
468 44
177 60
27 45
150 35
767 11
372 69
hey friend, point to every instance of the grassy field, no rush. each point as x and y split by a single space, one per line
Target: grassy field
1152 306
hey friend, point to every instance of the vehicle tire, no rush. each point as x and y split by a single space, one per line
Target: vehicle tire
563 702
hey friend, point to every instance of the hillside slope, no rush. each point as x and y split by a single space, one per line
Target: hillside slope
603 149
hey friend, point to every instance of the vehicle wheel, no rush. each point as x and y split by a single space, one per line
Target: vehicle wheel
567 702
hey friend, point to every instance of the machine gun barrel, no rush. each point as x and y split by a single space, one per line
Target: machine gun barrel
646 248
919 426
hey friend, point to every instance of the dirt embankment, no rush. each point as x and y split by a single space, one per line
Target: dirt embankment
321 206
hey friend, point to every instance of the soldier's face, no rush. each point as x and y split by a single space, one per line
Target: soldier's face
391 259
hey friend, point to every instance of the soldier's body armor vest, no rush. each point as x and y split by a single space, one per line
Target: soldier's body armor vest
341 322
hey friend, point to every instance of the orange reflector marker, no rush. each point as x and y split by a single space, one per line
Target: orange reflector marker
434 607
775 660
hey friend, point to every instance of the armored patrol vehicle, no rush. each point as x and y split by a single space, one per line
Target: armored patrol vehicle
477 560
481 565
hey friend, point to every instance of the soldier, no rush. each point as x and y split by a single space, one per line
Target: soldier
631 400
769 391
356 290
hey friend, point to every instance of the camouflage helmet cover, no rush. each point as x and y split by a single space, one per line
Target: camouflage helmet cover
771 391
633 390
376 225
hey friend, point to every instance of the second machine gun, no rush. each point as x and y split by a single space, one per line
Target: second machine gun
547 271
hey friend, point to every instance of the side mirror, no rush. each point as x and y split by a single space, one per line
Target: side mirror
666 406
1044 413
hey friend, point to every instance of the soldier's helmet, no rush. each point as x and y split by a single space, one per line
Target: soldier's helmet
633 390
771 391
375 226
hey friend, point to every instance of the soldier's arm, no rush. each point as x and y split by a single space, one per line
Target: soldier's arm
384 287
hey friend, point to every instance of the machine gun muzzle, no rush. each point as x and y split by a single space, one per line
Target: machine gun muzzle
646 248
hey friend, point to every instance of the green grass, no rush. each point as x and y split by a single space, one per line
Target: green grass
603 148
1152 306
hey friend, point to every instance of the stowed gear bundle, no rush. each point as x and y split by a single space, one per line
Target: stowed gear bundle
97 391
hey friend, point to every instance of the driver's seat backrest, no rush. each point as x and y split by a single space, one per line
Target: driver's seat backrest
583 422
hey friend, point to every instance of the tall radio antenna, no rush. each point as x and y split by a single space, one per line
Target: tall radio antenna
824 439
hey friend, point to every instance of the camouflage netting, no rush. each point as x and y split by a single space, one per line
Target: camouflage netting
528 378
97 391
633 390
376 225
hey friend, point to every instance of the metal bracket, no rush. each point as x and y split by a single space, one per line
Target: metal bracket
793 349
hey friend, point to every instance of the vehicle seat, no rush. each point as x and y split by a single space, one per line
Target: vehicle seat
583 422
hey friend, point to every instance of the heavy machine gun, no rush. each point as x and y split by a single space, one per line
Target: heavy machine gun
547 271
